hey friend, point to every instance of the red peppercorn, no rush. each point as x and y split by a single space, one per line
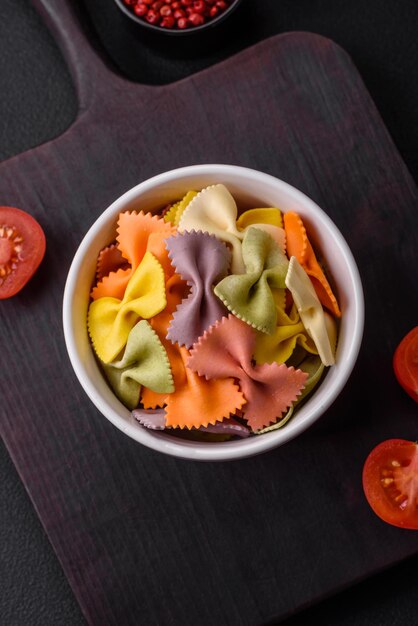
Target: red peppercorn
196 19
153 17
168 22
140 9
199 6
177 13
182 23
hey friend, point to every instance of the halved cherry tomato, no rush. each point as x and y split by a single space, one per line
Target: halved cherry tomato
390 482
22 248
405 363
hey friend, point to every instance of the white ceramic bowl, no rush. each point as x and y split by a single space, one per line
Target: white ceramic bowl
250 188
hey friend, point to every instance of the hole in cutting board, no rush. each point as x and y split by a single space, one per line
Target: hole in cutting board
382 46
38 101
151 59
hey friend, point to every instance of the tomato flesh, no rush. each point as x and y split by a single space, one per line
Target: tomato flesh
390 482
405 363
22 248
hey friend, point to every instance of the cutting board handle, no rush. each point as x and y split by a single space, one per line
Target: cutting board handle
89 67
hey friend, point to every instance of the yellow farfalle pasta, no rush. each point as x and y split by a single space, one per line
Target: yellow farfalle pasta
110 320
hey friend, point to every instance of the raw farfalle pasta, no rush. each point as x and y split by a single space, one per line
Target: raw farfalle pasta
144 362
310 310
209 322
156 420
134 230
225 351
299 246
175 212
110 259
152 419
199 402
252 217
110 320
314 368
279 346
249 295
201 260
195 401
215 211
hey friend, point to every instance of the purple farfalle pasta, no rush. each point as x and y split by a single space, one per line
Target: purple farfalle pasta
154 420
228 426
202 260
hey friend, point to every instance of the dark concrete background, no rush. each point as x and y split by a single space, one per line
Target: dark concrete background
37 103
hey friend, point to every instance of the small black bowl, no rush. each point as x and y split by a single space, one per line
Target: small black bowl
176 32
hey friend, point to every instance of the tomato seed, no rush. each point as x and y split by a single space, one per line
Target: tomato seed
10 247
387 481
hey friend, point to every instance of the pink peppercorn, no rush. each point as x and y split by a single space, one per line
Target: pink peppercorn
152 17
196 19
199 6
178 14
182 23
168 22
140 9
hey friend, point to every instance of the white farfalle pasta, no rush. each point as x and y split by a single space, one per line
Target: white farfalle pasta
214 211
310 310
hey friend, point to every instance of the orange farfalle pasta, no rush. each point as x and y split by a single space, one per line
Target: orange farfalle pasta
196 401
299 246
226 350
110 259
176 290
200 402
134 232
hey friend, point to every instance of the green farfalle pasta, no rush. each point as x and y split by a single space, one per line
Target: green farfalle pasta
144 363
249 296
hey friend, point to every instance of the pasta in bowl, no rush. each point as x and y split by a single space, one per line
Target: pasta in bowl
212 322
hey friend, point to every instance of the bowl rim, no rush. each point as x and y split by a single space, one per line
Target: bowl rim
203 451
173 32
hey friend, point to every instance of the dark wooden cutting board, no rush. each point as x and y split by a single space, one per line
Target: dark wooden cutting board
149 539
